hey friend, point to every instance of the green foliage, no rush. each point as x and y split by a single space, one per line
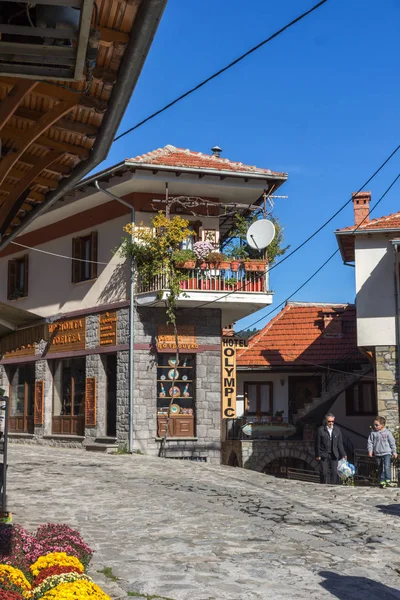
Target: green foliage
215 257
107 572
248 333
181 256
239 249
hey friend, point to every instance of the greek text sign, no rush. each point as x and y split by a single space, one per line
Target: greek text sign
68 335
186 337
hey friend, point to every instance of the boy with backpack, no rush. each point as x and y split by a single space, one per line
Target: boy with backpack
382 445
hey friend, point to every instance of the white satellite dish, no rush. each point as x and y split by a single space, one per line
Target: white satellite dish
260 234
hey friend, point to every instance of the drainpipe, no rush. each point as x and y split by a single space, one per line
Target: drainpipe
131 318
396 245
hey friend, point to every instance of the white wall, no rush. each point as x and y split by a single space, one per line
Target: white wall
375 300
358 424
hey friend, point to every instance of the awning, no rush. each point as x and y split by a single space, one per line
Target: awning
19 328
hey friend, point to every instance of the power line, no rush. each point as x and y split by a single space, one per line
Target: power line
326 262
223 70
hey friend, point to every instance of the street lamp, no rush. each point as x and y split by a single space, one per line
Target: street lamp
131 317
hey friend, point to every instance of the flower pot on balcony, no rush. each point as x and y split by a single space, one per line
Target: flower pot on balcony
224 264
255 265
235 264
188 264
203 266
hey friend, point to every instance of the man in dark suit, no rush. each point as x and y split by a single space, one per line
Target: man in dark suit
329 449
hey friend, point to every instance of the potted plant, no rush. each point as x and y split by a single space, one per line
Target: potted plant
216 260
258 265
279 415
184 259
231 282
201 250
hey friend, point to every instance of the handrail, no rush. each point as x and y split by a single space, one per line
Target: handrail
351 430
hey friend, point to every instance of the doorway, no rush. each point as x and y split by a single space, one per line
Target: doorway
22 389
111 370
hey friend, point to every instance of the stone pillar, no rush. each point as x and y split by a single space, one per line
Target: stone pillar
122 396
208 404
43 373
95 367
387 384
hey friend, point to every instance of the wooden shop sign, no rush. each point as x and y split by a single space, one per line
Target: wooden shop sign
228 378
28 350
90 402
68 335
186 337
108 329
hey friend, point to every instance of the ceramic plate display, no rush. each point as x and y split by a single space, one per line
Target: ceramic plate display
174 391
173 362
175 409
184 377
163 377
173 374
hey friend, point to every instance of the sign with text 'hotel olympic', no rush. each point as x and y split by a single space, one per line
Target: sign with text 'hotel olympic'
230 345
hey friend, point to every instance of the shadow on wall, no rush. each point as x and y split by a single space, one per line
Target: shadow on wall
117 287
373 298
347 587
390 509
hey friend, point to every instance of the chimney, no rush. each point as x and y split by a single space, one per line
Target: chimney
216 150
332 324
361 202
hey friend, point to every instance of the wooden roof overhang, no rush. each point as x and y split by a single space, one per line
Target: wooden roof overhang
54 132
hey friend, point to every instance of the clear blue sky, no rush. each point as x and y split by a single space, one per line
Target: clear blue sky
320 102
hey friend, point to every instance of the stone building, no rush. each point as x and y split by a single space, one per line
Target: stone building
65 363
372 247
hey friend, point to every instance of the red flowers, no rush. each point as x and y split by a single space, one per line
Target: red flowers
56 570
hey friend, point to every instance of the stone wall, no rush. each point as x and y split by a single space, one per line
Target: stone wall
387 378
256 454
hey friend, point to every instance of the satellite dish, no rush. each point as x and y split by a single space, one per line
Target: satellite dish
260 234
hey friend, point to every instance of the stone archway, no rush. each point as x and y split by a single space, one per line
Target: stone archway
300 453
233 460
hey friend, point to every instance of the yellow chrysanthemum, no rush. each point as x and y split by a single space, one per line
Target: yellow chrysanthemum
77 589
55 558
9 573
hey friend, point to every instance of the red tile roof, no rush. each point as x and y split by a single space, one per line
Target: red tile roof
178 157
390 222
296 336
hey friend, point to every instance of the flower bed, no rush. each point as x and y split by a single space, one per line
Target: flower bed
50 564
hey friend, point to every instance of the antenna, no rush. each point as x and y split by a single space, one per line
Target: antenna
260 234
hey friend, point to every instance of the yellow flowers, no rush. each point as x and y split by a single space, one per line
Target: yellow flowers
77 589
55 558
15 576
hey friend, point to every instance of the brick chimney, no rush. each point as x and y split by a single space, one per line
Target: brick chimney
361 202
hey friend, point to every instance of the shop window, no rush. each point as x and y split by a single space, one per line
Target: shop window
18 273
84 253
22 389
361 399
181 422
258 399
69 396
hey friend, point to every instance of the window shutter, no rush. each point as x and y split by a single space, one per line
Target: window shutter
76 264
12 278
26 274
93 255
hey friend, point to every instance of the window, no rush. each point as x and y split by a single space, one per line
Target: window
84 251
258 398
69 396
22 380
181 423
361 399
18 277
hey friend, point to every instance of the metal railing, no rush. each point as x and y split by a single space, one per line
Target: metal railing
367 469
206 280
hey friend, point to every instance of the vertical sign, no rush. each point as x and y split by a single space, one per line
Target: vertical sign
90 402
228 378
38 405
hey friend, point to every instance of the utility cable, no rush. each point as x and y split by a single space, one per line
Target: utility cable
218 73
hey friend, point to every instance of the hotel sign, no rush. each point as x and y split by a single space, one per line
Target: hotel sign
68 335
108 329
228 378
186 337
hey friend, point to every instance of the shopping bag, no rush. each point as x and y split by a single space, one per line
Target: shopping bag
345 469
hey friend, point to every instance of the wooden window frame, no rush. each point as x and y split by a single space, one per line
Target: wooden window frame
259 413
78 264
350 412
70 424
28 420
15 291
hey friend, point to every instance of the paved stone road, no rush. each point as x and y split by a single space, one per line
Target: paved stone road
189 531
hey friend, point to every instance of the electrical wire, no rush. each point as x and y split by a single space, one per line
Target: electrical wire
94 262
326 262
223 70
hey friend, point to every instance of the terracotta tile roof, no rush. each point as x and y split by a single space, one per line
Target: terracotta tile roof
296 336
390 222
179 157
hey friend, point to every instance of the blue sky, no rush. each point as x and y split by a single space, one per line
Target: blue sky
320 102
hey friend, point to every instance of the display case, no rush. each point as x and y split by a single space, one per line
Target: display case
176 383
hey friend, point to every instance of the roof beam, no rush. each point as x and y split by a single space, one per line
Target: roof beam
35 196
29 136
64 124
31 160
43 181
10 103
11 202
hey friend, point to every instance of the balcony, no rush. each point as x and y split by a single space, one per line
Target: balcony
240 292
248 428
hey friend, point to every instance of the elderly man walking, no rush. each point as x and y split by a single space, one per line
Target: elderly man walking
329 449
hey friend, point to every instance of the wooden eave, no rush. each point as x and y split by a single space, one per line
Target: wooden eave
48 128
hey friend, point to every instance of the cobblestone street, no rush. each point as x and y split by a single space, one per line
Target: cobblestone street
187 531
